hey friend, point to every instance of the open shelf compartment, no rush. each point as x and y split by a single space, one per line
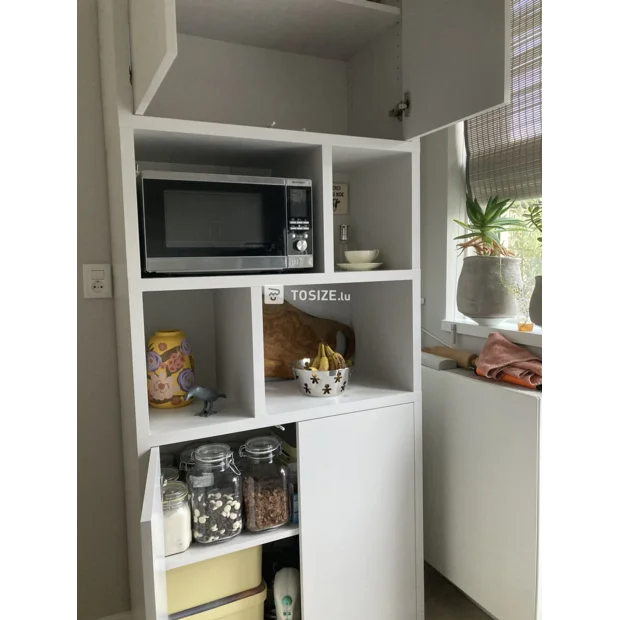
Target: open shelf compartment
198 552
382 374
221 328
246 156
331 66
325 28
379 185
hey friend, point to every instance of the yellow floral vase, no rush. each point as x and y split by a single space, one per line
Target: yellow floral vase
170 369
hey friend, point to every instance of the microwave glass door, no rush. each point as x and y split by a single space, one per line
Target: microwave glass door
213 219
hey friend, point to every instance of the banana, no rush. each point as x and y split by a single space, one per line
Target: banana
336 361
330 357
317 360
324 362
312 368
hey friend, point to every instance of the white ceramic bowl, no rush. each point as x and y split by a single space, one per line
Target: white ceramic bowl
361 256
320 383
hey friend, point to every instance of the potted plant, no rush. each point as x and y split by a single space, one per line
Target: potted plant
485 291
533 218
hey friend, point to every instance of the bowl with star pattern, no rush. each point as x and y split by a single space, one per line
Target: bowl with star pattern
320 383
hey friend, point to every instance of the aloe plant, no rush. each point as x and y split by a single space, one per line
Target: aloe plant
485 226
533 218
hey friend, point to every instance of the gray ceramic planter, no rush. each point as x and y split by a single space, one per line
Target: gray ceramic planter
484 289
536 303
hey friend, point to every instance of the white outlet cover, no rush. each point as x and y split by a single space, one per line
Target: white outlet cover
97 281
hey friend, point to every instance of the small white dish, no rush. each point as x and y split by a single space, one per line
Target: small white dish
359 266
361 256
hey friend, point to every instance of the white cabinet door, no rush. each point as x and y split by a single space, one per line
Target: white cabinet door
152 535
455 60
153 27
481 456
357 516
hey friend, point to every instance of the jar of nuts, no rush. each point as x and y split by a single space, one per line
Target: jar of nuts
265 484
215 494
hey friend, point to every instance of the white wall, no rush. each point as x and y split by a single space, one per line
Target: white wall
442 191
103 587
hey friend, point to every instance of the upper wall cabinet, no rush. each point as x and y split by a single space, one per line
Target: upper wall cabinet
330 66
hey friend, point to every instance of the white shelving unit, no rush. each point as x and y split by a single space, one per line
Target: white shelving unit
245 540
323 28
212 75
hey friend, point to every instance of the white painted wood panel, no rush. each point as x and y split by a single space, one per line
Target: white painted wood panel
230 83
180 136
199 552
234 346
153 47
381 316
357 516
298 279
455 60
481 458
540 572
153 552
117 108
324 28
374 87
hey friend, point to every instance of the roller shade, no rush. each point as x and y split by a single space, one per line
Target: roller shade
504 146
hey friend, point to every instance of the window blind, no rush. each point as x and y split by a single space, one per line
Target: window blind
504 146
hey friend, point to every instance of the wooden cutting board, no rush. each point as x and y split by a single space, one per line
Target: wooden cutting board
290 334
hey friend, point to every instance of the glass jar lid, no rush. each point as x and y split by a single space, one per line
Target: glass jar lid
261 447
212 454
186 457
174 493
170 473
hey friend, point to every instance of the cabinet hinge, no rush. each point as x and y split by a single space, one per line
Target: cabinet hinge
130 75
402 108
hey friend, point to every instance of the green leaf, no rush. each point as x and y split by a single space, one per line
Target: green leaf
469 236
497 208
474 211
463 224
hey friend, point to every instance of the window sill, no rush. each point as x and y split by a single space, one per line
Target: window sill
469 328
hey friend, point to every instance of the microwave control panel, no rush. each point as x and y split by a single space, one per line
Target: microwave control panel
299 223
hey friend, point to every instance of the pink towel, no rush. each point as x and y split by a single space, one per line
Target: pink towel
499 356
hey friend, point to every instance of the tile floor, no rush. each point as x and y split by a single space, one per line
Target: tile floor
445 601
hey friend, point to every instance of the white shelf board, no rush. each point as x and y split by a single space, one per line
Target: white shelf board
286 279
285 405
245 540
193 137
181 424
325 28
284 400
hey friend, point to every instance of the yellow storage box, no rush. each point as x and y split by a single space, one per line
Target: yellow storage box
248 605
217 584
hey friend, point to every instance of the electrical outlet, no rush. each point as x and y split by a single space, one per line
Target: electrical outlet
97 281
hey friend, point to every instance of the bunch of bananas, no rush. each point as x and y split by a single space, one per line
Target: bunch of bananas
327 359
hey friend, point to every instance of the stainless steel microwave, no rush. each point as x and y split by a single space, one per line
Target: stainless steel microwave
217 223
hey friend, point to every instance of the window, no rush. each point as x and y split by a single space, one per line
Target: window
502 156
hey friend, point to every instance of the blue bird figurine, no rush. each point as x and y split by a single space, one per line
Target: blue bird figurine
208 395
